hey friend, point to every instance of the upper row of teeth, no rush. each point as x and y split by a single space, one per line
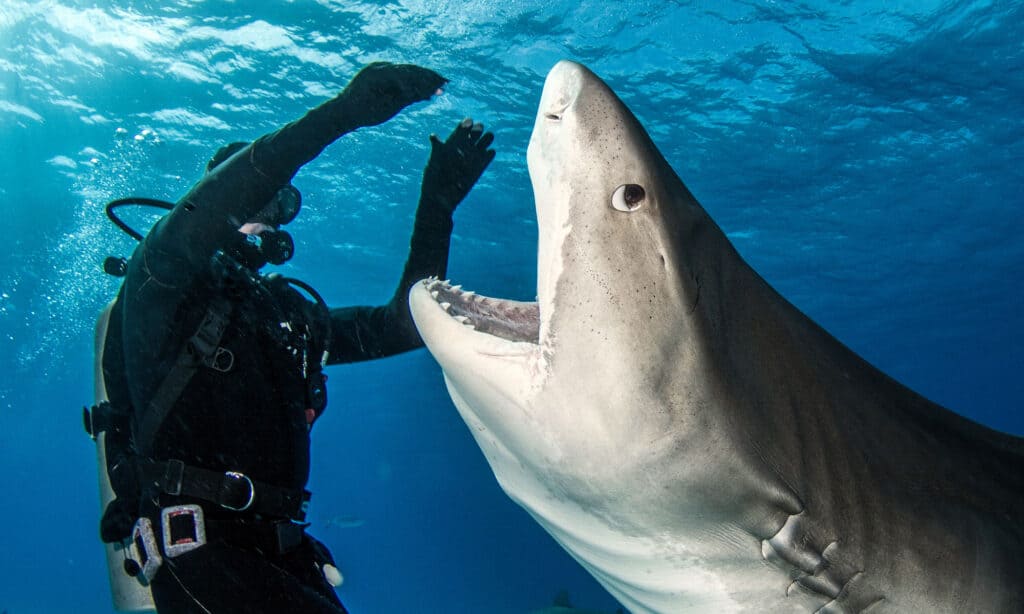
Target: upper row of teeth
432 285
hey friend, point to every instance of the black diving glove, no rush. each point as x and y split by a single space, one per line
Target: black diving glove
381 89
118 519
455 166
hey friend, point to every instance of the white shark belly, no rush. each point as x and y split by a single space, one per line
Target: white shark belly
645 572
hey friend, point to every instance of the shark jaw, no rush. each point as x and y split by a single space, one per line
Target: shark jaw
498 370
490 347
497 365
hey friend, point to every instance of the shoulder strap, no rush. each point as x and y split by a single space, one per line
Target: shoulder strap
202 348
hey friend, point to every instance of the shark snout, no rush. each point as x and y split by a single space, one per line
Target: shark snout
561 88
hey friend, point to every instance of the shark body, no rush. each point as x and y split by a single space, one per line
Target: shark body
690 437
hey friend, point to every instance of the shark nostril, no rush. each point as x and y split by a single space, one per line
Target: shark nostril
555 109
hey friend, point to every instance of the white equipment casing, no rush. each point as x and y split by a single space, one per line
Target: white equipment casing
128 593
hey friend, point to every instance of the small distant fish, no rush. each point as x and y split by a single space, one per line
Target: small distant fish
562 605
344 522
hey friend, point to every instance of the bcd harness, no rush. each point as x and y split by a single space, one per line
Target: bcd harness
230 490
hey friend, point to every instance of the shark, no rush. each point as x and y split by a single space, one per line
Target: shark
690 437
563 605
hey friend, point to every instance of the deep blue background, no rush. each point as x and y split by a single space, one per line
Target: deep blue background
865 157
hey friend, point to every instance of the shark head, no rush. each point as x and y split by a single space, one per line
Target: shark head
613 220
579 398
620 254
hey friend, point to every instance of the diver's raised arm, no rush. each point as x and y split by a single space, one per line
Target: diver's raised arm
455 165
208 217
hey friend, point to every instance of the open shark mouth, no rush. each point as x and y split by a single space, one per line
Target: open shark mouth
506 319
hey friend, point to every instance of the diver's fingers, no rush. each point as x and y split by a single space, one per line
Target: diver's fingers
485 141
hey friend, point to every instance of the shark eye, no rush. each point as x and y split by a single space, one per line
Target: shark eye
628 197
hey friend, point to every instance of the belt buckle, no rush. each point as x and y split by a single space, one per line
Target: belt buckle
144 550
235 475
184 529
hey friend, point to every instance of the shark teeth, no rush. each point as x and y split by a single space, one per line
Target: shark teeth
445 294
437 286
509 320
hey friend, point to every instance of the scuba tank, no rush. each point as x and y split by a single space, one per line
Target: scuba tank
128 593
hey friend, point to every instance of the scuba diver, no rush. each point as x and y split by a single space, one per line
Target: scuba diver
214 371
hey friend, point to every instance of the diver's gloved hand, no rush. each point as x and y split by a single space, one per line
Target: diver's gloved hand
455 166
381 89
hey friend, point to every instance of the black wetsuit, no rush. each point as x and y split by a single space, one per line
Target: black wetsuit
252 418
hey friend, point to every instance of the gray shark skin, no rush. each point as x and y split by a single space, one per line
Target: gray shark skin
689 436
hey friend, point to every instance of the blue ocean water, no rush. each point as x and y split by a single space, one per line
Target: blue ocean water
865 157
